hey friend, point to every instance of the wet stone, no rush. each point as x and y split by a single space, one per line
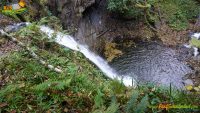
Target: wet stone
188 82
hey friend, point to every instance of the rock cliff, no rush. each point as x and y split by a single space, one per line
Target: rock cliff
69 11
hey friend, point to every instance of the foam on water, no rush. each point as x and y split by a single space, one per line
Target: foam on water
69 42
196 35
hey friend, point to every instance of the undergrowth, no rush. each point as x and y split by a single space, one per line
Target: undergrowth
175 13
178 13
82 88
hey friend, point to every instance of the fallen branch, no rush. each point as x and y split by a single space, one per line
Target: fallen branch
98 35
101 34
32 53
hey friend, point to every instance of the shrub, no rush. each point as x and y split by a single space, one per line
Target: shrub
127 8
178 13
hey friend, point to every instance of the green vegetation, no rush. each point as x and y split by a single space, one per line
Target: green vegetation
128 8
195 42
29 13
176 13
14 13
30 87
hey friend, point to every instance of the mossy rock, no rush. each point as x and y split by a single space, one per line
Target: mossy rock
195 42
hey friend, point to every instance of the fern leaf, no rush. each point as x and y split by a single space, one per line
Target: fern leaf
132 103
113 108
98 111
142 106
55 85
61 85
98 99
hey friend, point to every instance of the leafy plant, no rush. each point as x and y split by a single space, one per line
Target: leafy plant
52 84
98 99
52 22
133 107
178 13
13 13
113 108
127 8
117 87
142 106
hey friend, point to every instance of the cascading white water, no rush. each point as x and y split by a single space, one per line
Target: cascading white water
69 42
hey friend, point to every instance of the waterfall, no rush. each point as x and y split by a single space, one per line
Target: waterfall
149 62
69 42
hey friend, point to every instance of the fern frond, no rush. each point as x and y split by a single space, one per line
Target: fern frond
98 111
98 99
142 106
132 103
9 89
55 85
113 108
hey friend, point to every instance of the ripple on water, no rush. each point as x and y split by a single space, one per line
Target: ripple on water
152 62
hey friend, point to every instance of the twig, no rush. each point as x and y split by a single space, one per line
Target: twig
32 53
101 34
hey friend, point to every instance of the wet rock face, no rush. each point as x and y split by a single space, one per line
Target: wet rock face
154 63
98 27
69 11
95 25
